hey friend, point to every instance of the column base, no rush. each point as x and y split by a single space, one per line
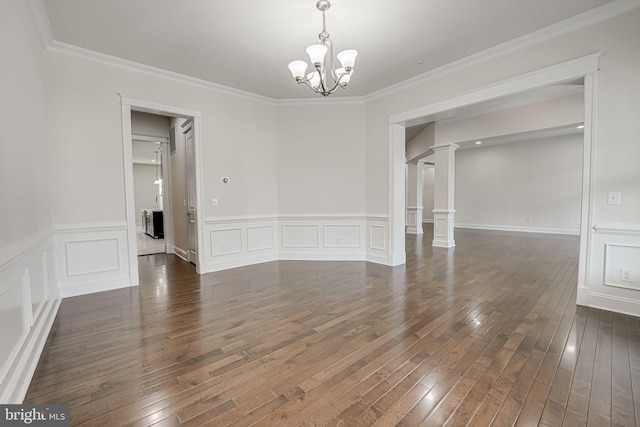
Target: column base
443 228
414 220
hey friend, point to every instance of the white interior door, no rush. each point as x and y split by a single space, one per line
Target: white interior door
191 194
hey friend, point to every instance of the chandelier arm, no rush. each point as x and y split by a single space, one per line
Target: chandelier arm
322 80
335 87
323 90
306 81
346 73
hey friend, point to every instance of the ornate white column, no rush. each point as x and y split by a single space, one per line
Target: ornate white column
414 198
444 194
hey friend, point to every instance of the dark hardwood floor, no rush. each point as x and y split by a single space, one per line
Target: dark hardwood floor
487 333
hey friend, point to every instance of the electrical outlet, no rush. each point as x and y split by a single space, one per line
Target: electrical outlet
627 275
214 202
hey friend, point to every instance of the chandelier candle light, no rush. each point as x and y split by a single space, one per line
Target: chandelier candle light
318 80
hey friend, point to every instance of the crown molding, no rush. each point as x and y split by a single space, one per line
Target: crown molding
597 15
103 58
42 21
578 22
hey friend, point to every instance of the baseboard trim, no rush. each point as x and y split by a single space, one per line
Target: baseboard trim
91 287
567 231
321 256
181 253
237 262
614 304
378 258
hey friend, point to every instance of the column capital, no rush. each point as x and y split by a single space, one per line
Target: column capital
445 147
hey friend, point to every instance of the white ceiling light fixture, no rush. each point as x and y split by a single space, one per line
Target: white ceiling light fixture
325 79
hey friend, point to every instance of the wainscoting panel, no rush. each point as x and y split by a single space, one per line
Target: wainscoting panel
39 285
300 235
377 248
14 307
613 281
28 305
342 236
411 219
260 238
622 266
322 237
92 258
238 241
226 241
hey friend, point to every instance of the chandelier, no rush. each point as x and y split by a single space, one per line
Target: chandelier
325 79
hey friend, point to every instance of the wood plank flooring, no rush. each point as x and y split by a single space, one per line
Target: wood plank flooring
484 334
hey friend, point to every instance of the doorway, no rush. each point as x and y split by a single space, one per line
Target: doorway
150 138
582 68
191 250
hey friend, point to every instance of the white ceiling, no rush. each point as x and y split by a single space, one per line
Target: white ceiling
247 44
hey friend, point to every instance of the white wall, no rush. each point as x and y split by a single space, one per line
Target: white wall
616 132
145 191
321 167
89 92
428 176
28 292
420 144
321 180
25 184
525 186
